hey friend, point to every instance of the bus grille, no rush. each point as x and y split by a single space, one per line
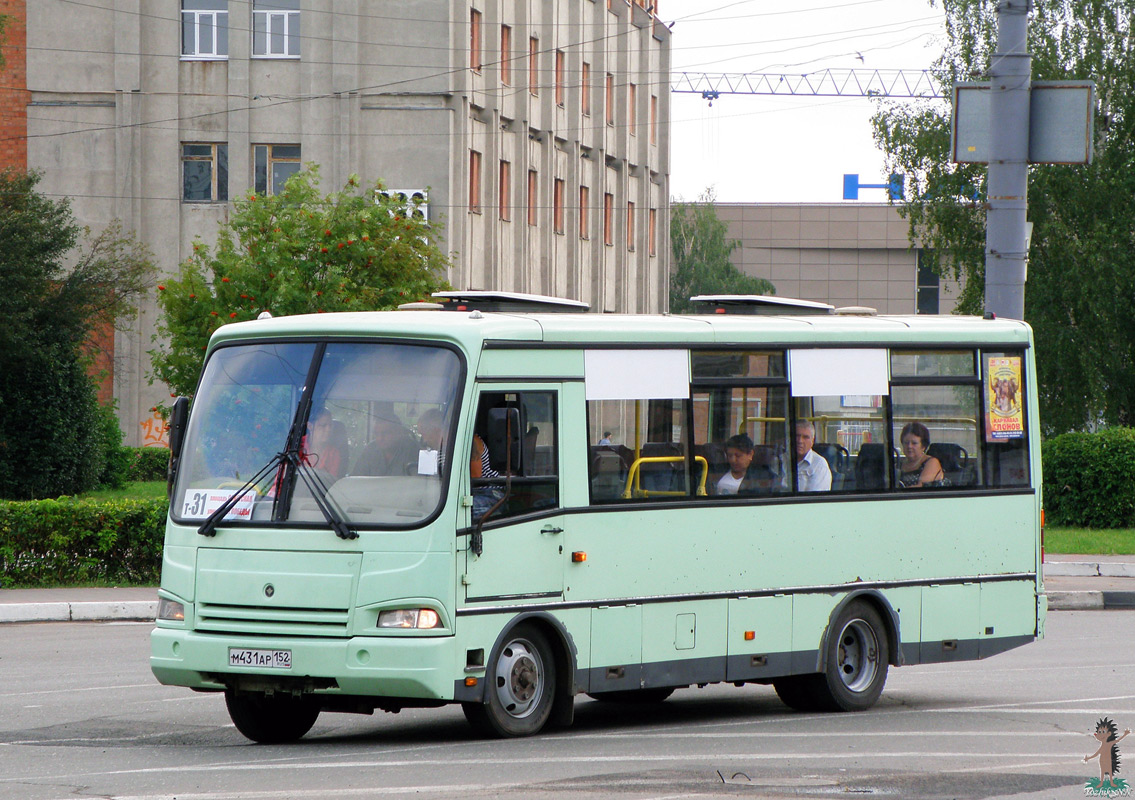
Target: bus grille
264 621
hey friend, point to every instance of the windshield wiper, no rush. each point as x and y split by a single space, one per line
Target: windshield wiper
209 526
319 494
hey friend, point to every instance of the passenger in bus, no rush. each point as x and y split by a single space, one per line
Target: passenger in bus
919 468
812 471
431 430
484 497
325 446
393 450
741 478
606 438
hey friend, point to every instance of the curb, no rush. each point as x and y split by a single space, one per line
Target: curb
1090 569
1089 600
78 612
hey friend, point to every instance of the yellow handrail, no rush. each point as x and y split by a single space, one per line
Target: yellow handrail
632 489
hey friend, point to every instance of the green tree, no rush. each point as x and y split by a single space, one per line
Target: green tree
1081 278
57 284
700 252
296 252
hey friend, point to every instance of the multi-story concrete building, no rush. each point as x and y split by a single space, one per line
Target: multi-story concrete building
846 254
537 130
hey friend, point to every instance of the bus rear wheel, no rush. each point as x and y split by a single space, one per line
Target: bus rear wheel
519 687
855 662
271 719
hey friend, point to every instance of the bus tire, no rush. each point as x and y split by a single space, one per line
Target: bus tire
856 660
271 719
633 696
519 688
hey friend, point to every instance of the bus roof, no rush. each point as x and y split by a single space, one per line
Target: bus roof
473 329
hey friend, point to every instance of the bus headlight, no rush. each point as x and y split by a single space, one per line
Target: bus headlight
409 618
171 610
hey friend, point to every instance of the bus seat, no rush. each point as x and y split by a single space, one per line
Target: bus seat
768 464
714 455
871 467
839 461
608 473
955 462
664 477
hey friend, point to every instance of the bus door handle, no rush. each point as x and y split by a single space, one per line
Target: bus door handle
551 529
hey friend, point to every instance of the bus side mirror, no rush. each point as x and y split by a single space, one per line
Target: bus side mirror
178 418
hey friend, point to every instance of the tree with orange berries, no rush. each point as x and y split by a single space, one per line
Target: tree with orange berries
296 252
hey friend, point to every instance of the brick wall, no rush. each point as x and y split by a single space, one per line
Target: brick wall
14 87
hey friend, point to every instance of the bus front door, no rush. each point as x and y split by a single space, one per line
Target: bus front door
518 552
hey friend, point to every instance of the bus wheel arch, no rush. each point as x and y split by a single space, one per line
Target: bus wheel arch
529 679
887 614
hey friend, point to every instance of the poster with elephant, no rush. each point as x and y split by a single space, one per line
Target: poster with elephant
1004 411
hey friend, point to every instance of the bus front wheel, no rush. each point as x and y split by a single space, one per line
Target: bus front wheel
271 719
519 687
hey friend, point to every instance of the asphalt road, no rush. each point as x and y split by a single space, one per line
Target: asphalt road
81 716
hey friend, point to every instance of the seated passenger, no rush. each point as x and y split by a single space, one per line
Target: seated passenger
740 479
484 497
393 450
812 471
321 448
919 468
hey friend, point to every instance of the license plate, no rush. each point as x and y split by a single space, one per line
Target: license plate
267 659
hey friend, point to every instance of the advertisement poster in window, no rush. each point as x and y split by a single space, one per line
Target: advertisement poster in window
1004 415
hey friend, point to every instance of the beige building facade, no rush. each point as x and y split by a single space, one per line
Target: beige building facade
846 254
536 132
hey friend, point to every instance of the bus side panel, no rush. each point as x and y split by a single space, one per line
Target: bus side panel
810 616
769 652
616 648
907 604
1008 616
950 622
684 643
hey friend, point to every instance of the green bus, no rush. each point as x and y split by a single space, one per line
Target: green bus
503 502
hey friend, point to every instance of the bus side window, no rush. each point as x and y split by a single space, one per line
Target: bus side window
519 432
638 450
1006 460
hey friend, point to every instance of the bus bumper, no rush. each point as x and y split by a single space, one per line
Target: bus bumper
411 667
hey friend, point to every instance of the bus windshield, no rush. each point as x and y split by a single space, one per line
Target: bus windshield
369 431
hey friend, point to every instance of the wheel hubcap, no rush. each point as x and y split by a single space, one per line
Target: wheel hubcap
519 678
858 655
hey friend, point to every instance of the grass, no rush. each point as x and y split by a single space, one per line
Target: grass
135 490
1089 541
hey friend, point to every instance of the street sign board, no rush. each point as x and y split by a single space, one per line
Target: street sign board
1060 122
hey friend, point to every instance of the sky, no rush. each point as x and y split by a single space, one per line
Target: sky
778 149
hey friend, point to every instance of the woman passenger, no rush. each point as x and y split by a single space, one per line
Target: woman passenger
918 467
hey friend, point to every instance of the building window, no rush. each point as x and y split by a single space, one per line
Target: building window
558 205
652 232
504 188
653 119
585 89
928 287
276 28
532 196
475 40
610 99
560 78
608 218
506 55
205 173
534 66
584 212
474 181
632 109
630 226
272 165
205 28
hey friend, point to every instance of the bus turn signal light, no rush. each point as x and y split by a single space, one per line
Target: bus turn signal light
470 681
750 635
578 557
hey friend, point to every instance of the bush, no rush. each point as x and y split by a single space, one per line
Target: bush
117 460
1088 479
148 463
76 542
